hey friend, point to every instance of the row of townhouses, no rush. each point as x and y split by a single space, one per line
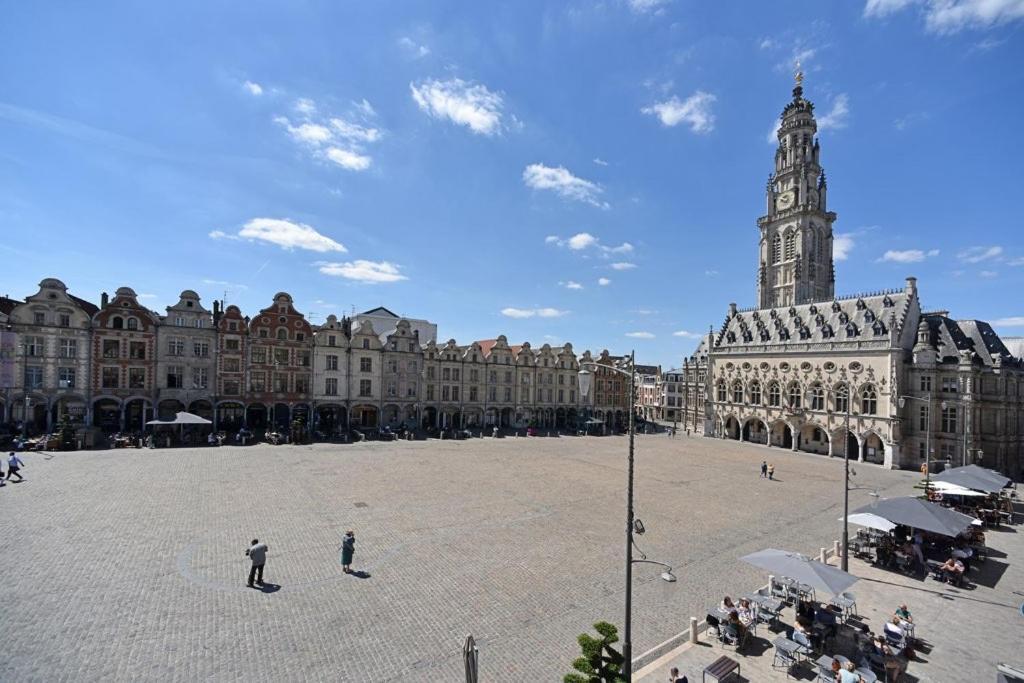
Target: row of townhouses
118 365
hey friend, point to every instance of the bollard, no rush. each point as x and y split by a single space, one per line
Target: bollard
821 557
836 549
693 630
771 584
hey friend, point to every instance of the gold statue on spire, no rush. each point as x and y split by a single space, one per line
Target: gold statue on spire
799 75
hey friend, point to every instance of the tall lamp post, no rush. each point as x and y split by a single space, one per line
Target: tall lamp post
845 394
586 378
927 400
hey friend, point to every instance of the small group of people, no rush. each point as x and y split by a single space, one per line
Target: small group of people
14 465
767 470
257 554
735 627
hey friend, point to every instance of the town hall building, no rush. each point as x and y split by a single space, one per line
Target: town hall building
872 374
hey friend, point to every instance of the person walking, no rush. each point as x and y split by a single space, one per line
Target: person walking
348 549
771 472
764 469
14 464
675 677
257 552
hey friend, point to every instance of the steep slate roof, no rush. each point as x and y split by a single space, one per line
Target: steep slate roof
950 337
380 310
86 306
7 305
871 316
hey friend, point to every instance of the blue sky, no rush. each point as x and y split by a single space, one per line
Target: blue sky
580 171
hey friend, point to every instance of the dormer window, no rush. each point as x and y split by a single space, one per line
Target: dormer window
851 330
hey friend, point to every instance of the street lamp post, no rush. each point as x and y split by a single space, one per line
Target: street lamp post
586 377
927 435
844 393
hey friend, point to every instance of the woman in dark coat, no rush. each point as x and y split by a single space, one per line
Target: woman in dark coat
348 549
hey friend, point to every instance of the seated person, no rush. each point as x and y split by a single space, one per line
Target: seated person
801 635
846 674
745 611
952 570
964 553
903 613
827 618
805 610
735 628
727 605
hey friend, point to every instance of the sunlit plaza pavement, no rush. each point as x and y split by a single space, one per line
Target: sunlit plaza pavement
129 564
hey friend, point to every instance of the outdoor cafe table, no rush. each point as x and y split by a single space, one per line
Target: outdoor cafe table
825 662
795 588
791 646
766 603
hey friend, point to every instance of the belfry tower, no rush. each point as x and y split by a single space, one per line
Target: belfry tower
796 232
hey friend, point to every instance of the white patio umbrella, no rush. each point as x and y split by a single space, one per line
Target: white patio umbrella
801 568
866 519
946 488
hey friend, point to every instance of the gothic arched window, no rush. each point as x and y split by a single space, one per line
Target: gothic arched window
794 395
842 398
721 391
776 249
737 392
817 396
755 393
774 395
790 246
868 400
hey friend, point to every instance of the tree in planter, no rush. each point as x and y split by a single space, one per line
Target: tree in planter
66 430
600 662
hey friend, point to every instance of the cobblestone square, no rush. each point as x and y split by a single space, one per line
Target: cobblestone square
129 564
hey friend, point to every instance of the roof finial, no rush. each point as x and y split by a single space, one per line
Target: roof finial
799 75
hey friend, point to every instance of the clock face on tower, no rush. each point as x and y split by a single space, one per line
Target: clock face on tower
784 200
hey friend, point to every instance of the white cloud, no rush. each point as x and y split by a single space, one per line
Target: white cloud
645 311
284 233
686 334
1019 261
350 130
341 140
979 254
581 240
623 265
711 273
348 159
600 162
836 117
648 6
253 88
842 245
573 285
767 44
1012 321
367 272
305 106
584 240
415 49
695 111
531 312
560 180
466 104
988 274
951 16
773 134
640 335
603 281
907 255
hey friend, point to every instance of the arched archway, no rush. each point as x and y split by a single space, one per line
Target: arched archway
257 416
70 407
755 431
365 416
230 416
843 442
429 417
330 419
201 407
106 414
507 415
280 416
782 434
391 415
872 448
169 408
732 428
813 439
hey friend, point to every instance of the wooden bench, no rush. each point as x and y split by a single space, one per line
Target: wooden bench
721 668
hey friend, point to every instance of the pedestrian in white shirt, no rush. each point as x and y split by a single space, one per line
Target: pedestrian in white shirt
14 464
